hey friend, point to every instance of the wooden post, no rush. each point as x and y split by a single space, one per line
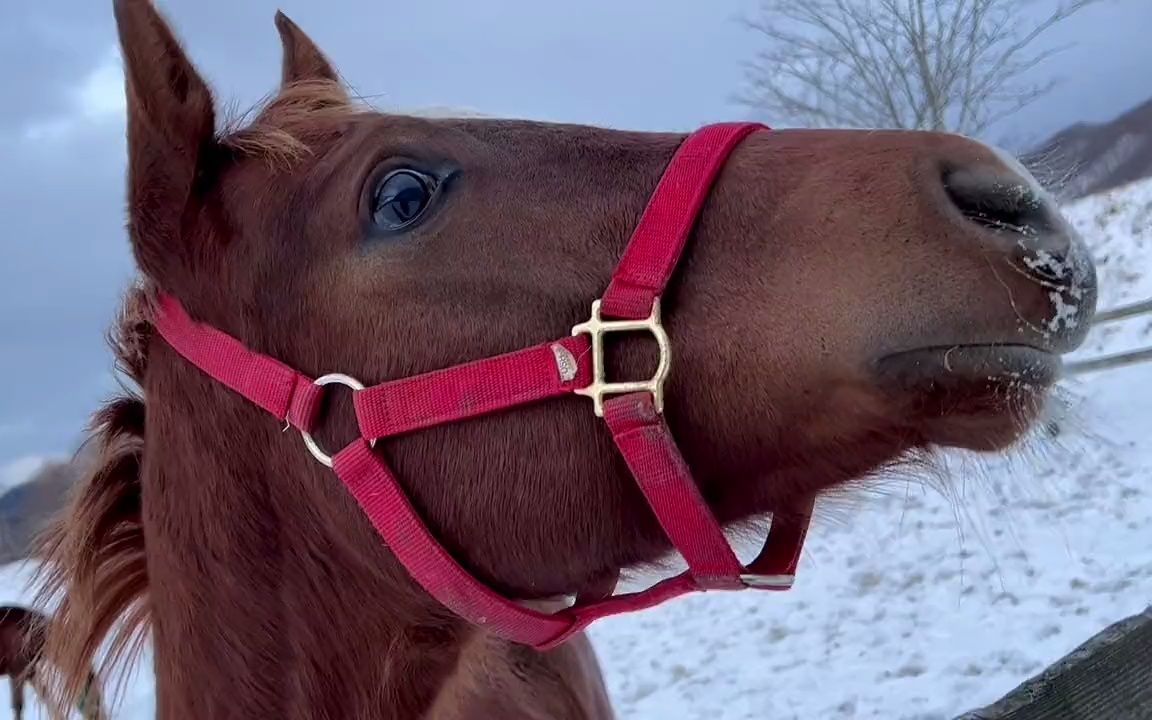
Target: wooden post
1109 677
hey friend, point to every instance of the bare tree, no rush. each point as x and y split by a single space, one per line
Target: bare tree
958 65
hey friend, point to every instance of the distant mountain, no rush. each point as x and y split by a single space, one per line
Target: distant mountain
1086 159
25 508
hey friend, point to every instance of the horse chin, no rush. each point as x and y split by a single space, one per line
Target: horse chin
976 397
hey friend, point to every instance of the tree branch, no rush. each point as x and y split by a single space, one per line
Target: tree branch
957 65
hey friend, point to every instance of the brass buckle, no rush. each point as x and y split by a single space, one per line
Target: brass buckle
596 328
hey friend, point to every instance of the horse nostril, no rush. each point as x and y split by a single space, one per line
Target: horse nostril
1012 208
998 202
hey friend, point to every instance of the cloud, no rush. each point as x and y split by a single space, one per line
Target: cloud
97 99
19 471
15 429
66 258
45 48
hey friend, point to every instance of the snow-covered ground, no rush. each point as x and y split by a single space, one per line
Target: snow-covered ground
912 604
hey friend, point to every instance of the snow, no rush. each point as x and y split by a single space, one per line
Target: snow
917 601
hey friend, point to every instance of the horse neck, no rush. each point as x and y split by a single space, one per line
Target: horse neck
266 602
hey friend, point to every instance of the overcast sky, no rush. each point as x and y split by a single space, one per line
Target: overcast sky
649 64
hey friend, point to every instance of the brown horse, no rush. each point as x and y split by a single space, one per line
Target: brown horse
21 647
847 300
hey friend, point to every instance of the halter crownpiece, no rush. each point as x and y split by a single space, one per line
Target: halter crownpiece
633 412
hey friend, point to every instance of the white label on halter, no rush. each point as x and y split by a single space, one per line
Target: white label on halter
565 362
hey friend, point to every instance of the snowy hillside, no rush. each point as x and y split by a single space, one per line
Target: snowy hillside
911 605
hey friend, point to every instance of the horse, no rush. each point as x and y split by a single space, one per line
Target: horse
21 645
412 398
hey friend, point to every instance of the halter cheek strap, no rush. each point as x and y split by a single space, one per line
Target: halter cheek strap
633 413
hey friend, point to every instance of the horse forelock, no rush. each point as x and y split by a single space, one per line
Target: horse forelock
285 127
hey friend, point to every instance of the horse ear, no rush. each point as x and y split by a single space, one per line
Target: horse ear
171 135
303 61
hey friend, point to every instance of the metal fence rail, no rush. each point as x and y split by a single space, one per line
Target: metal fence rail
1124 312
1116 360
1109 677
1109 362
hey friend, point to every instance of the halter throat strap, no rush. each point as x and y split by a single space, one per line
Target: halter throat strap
633 413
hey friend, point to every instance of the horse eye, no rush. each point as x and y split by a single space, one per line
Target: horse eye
399 199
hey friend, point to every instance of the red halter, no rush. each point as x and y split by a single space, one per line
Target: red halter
633 411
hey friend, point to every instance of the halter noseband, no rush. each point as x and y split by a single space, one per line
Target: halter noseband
633 412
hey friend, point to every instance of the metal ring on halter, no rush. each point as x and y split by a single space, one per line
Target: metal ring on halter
334 378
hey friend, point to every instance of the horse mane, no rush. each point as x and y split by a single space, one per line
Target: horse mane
283 127
92 555
306 110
